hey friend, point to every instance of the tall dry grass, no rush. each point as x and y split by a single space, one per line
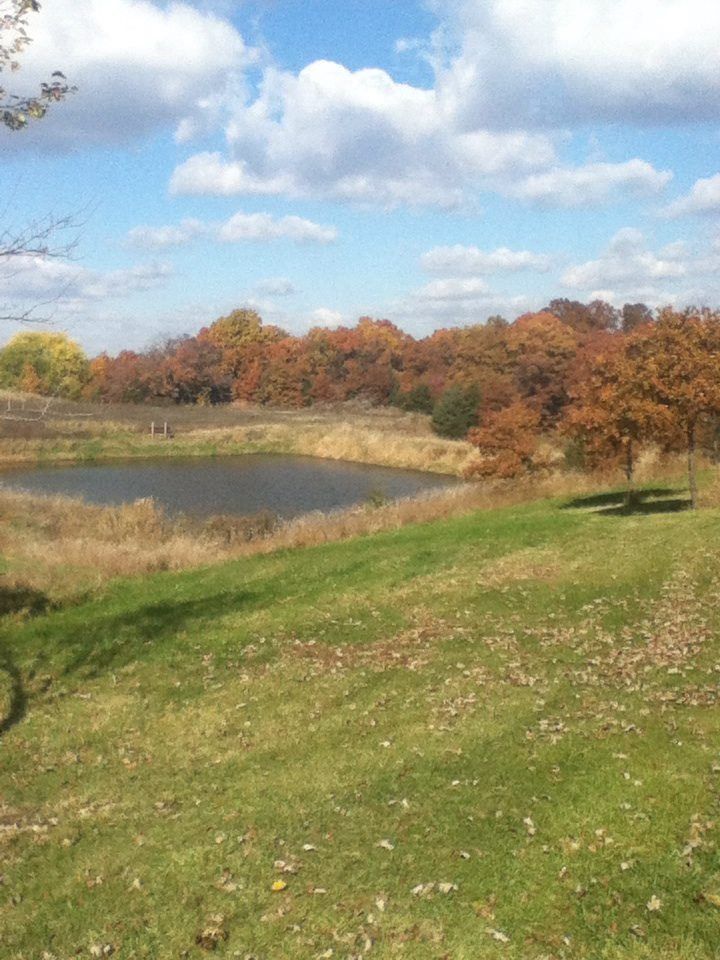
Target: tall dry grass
380 436
62 546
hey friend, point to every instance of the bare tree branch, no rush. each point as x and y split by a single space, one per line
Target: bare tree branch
45 238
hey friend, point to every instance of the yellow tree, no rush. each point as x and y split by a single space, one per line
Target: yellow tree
50 362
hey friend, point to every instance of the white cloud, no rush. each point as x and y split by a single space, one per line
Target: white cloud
629 270
242 227
627 263
703 198
454 289
158 238
324 317
332 133
28 280
556 62
259 227
458 260
138 65
592 184
453 302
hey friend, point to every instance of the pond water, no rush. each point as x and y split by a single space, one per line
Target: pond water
286 485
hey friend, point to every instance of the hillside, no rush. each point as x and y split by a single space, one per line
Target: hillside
492 736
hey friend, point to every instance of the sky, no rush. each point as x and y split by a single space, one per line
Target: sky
432 162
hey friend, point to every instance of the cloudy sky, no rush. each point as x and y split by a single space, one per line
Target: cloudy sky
428 161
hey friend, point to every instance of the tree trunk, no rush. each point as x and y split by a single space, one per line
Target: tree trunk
629 475
692 467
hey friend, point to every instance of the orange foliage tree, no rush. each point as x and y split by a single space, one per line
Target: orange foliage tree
542 349
508 441
679 368
611 413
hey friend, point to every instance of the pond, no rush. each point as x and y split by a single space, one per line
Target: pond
286 485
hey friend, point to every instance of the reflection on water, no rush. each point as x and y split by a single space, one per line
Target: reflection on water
287 485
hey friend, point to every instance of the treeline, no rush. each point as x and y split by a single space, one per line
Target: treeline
608 380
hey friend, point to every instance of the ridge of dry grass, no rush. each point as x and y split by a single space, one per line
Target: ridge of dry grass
62 545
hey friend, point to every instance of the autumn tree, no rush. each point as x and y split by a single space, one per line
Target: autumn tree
611 414
191 372
51 363
541 350
509 443
635 315
678 367
243 341
585 318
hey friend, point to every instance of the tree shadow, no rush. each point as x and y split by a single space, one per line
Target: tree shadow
650 500
113 642
14 600
18 697
22 600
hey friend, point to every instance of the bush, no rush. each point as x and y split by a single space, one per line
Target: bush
417 400
456 412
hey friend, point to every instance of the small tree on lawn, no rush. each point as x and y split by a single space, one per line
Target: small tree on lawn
679 368
611 413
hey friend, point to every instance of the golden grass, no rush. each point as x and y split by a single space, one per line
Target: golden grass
380 436
61 546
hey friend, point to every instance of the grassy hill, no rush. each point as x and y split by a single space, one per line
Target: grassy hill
492 736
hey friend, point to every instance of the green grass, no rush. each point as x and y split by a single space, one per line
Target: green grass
520 704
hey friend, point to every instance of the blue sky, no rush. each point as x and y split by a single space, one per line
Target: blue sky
429 161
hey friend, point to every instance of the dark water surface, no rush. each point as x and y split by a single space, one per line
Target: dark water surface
287 485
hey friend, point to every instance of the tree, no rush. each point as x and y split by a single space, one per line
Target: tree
678 364
542 349
417 400
53 364
16 112
456 411
611 413
508 441
635 315
39 238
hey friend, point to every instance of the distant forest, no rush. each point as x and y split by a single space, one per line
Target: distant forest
607 379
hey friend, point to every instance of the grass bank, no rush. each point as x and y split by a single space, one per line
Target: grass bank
65 547
493 735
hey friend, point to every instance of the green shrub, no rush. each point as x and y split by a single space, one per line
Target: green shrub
456 411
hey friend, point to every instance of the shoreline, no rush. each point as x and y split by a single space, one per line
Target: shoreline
348 443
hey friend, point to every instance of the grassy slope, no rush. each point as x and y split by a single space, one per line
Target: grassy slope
522 702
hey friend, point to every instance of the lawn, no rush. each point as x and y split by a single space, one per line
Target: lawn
489 736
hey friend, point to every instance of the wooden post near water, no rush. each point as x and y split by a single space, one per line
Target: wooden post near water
165 434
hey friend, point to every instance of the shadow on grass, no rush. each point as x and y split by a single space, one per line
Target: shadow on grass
648 501
112 642
22 599
17 600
